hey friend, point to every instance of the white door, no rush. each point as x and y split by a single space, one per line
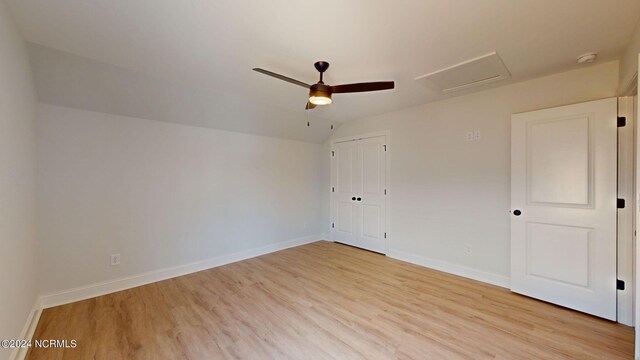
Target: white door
344 190
563 206
371 200
359 192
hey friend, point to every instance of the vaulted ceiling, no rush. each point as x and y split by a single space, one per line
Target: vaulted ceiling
191 61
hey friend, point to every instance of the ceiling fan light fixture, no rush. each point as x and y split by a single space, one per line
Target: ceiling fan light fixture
320 100
320 94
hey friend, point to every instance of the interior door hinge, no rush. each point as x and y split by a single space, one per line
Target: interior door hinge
620 284
385 235
333 189
333 225
385 191
620 204
333 153
622 121
385 147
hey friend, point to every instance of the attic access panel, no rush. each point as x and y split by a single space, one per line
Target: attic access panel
471 73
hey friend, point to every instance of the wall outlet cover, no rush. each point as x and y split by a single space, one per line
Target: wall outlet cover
469 136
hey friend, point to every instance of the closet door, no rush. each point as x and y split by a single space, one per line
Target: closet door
358 201
371 199
346 185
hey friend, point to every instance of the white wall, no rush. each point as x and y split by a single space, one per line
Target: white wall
162 194
446 192
69 80
17 184
629 63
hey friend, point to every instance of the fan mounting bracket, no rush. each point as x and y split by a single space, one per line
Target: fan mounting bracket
321 66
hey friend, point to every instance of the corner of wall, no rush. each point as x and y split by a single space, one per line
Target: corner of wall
18 191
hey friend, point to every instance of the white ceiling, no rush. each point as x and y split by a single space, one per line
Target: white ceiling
209 48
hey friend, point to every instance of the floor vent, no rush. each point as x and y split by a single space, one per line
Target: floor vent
471 73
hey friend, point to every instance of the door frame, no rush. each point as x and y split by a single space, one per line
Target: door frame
387 204
626 217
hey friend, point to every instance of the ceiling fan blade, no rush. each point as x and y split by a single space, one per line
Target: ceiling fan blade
282 77
309 106
362 87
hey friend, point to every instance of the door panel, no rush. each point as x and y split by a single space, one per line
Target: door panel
345 217
372 159
563 180
550 245
346 156
560 161
371 221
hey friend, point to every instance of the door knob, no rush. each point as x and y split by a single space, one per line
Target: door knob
353 198
517 212
359 199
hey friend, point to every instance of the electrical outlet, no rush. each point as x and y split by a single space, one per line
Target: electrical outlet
468 249
469 136
477 135
115 259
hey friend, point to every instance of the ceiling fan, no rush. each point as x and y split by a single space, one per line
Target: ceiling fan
320 93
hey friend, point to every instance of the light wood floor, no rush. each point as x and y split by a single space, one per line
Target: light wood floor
326 301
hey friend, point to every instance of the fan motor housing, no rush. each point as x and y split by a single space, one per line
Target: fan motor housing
320 89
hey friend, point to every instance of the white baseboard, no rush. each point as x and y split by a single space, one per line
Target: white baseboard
111 286
27 331
455 269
